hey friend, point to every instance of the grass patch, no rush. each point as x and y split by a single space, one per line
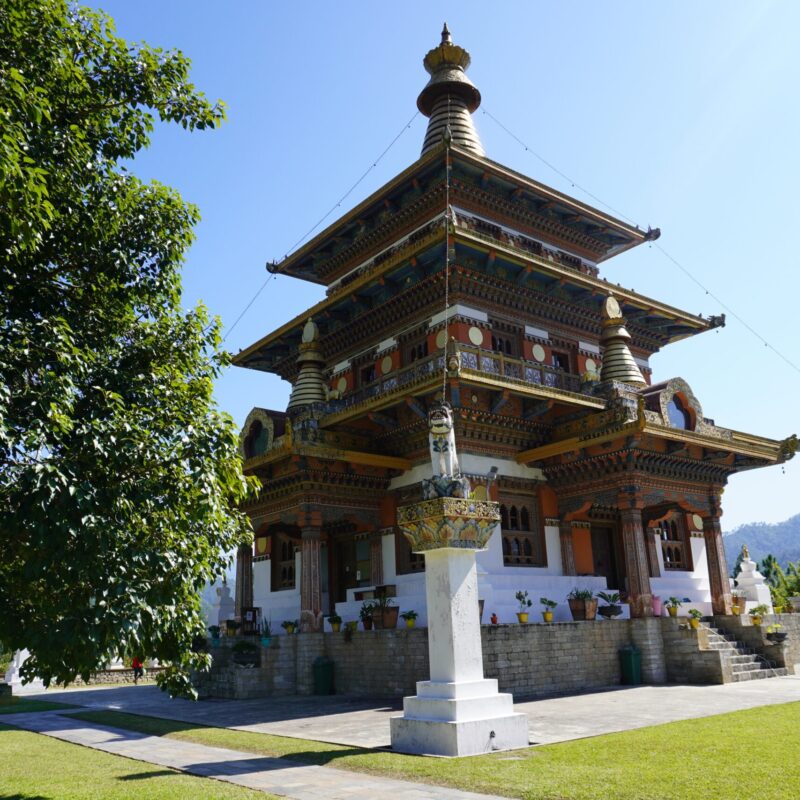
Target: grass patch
698 758
22 705
36 766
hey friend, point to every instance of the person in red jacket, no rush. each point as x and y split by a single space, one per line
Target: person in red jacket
138 669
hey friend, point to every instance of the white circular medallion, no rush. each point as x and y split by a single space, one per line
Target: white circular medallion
538 352
386 365
342 384
591 365
476 336
697 521
441 338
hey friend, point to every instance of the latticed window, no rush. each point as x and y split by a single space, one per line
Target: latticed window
523 539
417 351
673 545
283 567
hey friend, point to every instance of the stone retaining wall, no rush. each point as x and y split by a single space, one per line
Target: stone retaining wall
528 660
115 676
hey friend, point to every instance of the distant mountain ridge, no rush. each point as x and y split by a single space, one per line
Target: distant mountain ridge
782 539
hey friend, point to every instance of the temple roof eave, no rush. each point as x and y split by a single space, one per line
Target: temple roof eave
770 451
599 288
631 235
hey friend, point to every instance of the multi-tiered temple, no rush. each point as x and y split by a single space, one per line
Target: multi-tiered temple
461 275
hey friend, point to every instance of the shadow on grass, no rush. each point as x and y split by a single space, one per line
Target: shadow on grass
24 797
156 726
143 776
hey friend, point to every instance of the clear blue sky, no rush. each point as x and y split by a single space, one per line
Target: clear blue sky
683 116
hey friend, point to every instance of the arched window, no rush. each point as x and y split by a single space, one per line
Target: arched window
504 518
255 444
514 519
525 519
679 417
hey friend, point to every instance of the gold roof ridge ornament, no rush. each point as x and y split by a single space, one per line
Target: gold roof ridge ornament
449 98
618 362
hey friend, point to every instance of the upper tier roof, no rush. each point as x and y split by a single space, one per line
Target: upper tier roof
373 224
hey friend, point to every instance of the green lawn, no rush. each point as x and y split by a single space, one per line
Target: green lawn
35 767
22 705
701 759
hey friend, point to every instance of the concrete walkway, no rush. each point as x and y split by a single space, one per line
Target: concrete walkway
365 723
275 775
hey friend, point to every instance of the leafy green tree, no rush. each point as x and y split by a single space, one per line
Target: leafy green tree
770 569
120 481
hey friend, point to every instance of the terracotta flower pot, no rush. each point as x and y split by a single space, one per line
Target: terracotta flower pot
367 623
583 609
389 617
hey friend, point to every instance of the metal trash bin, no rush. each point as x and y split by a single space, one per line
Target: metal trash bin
630 659
323 675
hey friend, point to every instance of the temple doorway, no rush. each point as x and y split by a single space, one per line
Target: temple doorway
604 555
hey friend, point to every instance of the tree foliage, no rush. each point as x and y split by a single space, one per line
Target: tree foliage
119 479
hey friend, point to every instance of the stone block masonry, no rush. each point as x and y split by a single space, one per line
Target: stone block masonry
528 660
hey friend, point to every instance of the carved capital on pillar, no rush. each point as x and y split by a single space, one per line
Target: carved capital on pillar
567 549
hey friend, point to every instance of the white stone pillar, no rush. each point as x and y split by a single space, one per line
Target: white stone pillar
457 712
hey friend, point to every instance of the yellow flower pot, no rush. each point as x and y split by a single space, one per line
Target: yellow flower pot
672 610
755 619
547 616
522 616
336 626
410 623
736 610
695 623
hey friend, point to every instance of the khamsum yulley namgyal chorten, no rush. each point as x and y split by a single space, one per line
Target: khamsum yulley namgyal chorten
463 280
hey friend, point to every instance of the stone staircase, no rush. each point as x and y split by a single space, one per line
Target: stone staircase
746 664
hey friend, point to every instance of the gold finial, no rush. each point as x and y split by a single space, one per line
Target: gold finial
745 553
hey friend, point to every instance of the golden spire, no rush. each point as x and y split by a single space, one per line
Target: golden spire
309 386
618 362
449 97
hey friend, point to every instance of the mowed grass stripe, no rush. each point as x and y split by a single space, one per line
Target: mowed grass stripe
36 766
701 759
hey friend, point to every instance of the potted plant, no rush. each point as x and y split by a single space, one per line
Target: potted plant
335 622
582 604
365 614
410 617
289 625
214 630
265 632
775 634
245 654
758 612
351 625
694 618
547 609
672 605
612 608
524 604
739 601
232 627
387 613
